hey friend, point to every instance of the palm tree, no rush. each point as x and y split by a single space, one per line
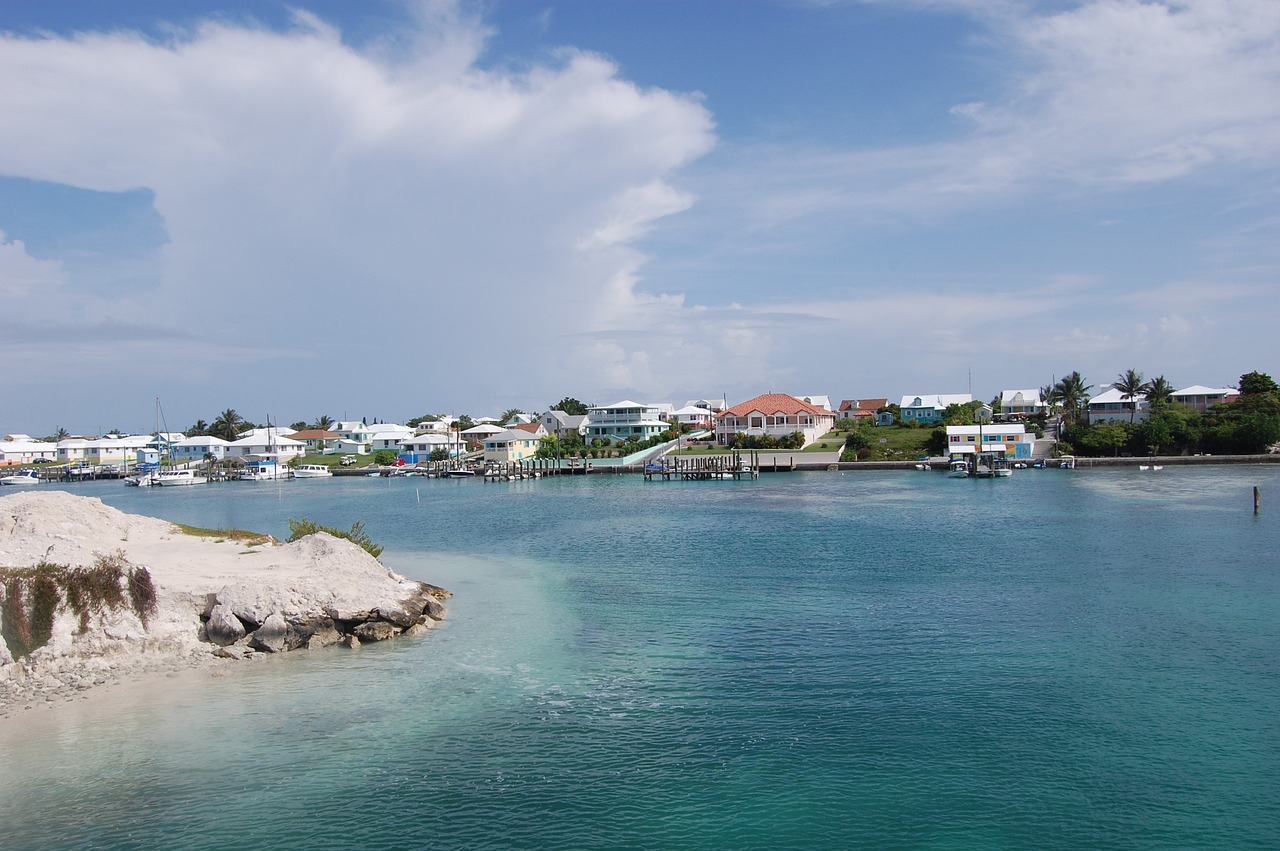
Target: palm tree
1131 384
510 414
1073 393
200 428
227 425
323 422
1049 395
1159 393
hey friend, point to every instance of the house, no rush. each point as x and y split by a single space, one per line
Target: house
929 408
1203 398
480 433
694 417
862 409
418 449
111 449
319 441
388 436
776 414
511 445
561 424
518 418
24 450
715 406
1112 406
1011 440
265 443
626 419
823 402
1022 403
197 447
535 429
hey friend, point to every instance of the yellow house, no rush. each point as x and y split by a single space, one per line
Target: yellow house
511 445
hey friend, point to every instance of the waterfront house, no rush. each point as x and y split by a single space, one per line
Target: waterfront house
1112 406
418 449
511 445
1009 440
775 414
1203 398
265 443
388 436
929 408
26 451
623 420
197 447
694 417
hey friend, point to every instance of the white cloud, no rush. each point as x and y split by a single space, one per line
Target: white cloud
22 275
327 198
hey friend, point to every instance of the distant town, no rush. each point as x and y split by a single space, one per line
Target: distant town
1128 416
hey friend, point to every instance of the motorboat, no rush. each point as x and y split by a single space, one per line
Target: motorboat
260 470
178 478
312 471
26 477
1067 462
958 468
460 474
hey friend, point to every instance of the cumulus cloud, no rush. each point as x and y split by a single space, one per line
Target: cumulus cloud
379 196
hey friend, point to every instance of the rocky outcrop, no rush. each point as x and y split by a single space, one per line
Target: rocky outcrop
214 598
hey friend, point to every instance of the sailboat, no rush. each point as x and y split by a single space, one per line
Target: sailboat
156 474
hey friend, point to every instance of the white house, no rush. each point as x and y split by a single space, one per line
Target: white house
419 448
1010 439
389 436
1112 406
775 414
692 415
625 419
929 408
267 443
1022 403
197 447
1203 398
25 451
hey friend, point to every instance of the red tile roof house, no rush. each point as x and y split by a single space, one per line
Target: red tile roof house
860 409
775 414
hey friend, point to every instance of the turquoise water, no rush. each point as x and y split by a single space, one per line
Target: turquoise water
1085 659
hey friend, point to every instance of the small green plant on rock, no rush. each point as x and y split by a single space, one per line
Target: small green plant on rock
301 528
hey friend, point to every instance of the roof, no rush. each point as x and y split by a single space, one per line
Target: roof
1201 390
1015 397
869 405
774 403
532 428
315 434
935 400
509 435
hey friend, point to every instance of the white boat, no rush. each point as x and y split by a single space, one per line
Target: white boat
460 474
26 477
260 470
958 469
178 478
1067 462
1000 468
144 479
312 471
1144 466
1158 467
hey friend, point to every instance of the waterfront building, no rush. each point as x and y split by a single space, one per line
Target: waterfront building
1010 440
1203 398
625 419
928 408
511 445
774 414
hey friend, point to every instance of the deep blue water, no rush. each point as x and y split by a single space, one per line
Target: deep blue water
1085 659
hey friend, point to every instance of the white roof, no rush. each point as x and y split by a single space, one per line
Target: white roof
1021 397
1004 428
1201 390
482 429
201 440
819 401
510 435
1111 395
935 400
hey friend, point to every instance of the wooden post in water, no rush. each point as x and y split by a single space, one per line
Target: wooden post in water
1255 499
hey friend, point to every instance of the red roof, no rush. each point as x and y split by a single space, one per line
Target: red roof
530 427
315 434
774 403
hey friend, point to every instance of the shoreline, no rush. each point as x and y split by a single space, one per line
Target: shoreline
209 601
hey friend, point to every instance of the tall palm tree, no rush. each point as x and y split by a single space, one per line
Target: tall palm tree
1049 395
1073 393
1159 393
1131 385
200 428
227 425
324 422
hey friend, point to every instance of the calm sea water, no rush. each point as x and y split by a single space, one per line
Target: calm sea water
1085 659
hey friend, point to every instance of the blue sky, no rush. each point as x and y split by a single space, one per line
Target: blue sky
390 208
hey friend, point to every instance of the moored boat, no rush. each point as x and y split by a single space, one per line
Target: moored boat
178 478
312 471
26 477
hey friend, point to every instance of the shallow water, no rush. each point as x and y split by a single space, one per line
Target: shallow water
1059 660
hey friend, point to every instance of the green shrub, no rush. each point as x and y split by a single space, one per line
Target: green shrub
301 528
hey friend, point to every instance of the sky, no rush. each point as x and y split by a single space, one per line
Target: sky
393 208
